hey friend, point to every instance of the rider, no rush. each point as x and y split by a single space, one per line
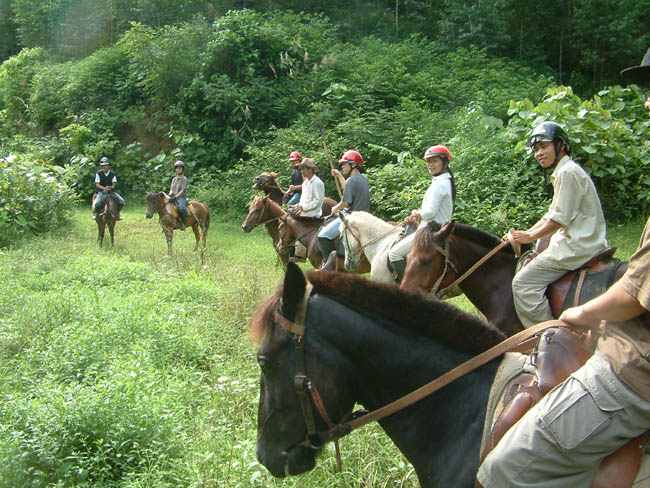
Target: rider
356 196
561 441
292 197
105 181
437 204
574 222
311 200
178 192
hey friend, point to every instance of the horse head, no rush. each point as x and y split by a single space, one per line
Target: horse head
294 361
287 236
351 243
428 261
256 213
265 181
155 201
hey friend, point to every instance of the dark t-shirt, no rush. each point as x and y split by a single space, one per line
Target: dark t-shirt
357 193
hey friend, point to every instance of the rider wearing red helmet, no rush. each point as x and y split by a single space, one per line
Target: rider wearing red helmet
292 197
356 196
561 441
437 205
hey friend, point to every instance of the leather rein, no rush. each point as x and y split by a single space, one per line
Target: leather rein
306 389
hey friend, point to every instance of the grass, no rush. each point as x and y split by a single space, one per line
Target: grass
127 368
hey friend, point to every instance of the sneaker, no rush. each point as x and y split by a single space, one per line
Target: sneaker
119 218
94 216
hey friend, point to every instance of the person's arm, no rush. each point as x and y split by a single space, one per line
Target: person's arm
544 227
339 206
295 188
314 198
614 305
337 175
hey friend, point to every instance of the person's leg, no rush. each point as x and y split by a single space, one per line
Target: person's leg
560 442
528 288
326 238
120 204
99 202
181 205
294 200
398 254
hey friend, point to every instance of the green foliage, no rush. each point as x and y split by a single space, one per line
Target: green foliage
34 197
609 137
16 75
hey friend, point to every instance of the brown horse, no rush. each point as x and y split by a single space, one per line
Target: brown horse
198 215
106 217
266 182
264 210
489 287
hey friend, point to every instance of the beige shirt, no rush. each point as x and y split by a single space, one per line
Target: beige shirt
576 207
178 183
626 345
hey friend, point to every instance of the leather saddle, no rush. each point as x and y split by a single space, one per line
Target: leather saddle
559 353
171 208
581 285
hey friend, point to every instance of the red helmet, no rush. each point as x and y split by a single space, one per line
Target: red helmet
351 157
295 156
440 151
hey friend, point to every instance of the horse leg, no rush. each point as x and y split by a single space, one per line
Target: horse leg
111 229
169 235
100 233
197 235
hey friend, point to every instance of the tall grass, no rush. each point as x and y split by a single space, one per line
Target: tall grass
124 367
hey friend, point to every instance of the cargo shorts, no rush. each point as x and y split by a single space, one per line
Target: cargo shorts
561 441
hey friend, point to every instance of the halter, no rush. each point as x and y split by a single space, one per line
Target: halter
281 246
259 218
305 388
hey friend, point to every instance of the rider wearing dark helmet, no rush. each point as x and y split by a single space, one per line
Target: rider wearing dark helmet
574 223
561 441
178 191
105 181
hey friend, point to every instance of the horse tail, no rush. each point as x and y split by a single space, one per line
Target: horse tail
207 218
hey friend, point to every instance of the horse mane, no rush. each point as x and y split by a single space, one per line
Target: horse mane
367 218
416 310
425 239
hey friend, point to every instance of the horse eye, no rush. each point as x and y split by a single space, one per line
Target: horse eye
263 361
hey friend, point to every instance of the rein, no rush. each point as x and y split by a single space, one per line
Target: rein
477 264
305 388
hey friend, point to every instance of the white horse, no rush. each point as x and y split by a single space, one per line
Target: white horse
364 233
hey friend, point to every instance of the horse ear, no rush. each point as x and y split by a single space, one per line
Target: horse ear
341 216
447 229
293 290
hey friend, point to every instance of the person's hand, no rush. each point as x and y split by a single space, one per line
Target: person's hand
296 210
292 187
336 173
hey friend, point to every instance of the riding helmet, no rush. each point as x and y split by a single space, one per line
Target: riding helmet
295 156
549 131
440 151
179 163
104 161
351 157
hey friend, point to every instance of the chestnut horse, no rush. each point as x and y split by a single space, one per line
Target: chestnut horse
266 182
489 287
370 343
264 210
198 216
106 217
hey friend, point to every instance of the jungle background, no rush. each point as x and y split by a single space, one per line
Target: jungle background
126 368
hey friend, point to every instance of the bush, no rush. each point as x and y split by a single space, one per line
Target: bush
34 197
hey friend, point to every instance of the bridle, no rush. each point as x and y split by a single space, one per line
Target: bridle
306 389
281 246
447 266
261 212
346 246
302 384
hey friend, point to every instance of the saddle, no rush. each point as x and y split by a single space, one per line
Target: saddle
581 285
171 208
559 353
104 210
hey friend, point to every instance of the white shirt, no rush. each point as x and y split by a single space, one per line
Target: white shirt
576 207
97 178
437 203
312 196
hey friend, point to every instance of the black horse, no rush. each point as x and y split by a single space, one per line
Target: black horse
372 343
